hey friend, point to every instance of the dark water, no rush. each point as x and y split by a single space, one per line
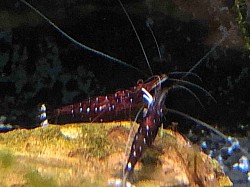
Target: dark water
104 26
40 65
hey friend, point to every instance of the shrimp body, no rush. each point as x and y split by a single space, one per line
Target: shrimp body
147 130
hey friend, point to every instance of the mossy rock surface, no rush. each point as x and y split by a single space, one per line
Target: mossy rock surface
93 154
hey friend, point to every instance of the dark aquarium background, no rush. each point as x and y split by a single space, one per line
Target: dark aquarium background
40 65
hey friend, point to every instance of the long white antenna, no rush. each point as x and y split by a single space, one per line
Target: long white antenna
137 36
148 23
78 43
206 55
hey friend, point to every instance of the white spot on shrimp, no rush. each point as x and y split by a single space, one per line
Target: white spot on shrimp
131 100
144 140
80 109
96 109
140 131
140 148
96 99
129 166
72 111
147 127
100 108
134 154
88 110
110 108
136 137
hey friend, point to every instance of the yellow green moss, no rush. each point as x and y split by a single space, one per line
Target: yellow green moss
36 180
90 154
6 159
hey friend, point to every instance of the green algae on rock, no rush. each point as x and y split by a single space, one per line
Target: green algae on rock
90 154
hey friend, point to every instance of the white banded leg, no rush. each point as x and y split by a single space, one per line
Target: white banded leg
43 116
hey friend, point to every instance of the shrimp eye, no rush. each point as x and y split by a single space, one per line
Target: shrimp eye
139 82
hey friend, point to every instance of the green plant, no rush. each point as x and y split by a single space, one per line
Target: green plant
241 9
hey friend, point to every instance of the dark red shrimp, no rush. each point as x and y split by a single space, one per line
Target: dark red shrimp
148 128
110 107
